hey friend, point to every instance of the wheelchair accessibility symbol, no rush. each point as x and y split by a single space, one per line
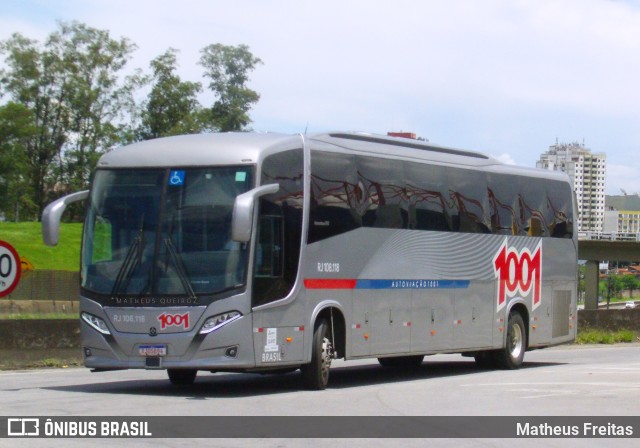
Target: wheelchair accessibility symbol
176 177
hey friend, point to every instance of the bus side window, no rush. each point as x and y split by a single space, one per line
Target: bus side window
269 256
279 234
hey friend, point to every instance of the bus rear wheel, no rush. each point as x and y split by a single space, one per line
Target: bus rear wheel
315 375
512 355
182 377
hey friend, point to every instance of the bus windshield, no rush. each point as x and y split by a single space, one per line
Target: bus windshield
161 232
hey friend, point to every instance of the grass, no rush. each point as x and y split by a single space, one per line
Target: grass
56 363
38 359
593 336
26 238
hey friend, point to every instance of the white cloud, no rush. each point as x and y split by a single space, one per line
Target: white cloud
502 77
505 158
623 177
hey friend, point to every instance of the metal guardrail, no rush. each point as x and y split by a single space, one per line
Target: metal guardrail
609 236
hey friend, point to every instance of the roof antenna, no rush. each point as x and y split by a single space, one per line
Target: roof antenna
306 126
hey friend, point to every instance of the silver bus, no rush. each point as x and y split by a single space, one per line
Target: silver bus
261 252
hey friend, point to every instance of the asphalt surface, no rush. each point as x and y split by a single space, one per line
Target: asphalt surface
560 381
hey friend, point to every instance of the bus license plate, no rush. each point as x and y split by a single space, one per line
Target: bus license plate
152 350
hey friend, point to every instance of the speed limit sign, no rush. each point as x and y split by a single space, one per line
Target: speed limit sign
9 268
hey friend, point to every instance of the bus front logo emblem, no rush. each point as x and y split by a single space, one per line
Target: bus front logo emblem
518 272
170 320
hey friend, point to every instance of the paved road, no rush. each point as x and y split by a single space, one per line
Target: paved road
564 381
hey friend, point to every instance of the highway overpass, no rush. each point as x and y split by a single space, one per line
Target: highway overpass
595 251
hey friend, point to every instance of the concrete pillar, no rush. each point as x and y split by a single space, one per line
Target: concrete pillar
591 279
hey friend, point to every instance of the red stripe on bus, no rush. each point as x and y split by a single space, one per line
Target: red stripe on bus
330 283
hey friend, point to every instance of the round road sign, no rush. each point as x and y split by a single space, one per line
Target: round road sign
9 268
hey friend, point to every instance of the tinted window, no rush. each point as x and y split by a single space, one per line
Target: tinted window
279 228
339 198
385 192
164 232
429 205
350 191
468 192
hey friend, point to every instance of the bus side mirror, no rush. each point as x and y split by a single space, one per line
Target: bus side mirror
242 220
52 214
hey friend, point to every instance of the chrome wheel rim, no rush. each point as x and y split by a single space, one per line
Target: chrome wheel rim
515 339
325 359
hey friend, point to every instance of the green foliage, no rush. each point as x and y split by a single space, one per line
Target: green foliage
26 237
72 89
227 68
16 128
68 102
37 359
590 336
172 107
615 284
630 282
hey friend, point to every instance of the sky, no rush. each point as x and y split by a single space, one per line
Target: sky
505 77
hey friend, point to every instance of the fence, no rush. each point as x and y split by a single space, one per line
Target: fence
610 319
609 236
44 292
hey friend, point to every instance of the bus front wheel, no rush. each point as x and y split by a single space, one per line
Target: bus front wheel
512 355
315 375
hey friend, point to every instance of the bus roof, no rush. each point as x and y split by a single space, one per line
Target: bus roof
398 145
236 148
424 151
232 148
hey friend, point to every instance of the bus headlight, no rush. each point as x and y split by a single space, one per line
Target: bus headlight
215 322
95 322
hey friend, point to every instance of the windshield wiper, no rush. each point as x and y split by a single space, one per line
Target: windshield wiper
179 267
132 259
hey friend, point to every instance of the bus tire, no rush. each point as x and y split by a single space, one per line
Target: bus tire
315 375
511 356
182 377
412 361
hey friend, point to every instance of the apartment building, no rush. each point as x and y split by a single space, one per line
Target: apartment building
622 214
587 171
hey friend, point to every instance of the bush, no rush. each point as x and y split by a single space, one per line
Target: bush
589 336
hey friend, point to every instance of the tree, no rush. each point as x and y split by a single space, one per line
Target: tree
97 97
34 81
615 284
16 128
172 107
71 87
581 281
631 283
75 104
227 68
